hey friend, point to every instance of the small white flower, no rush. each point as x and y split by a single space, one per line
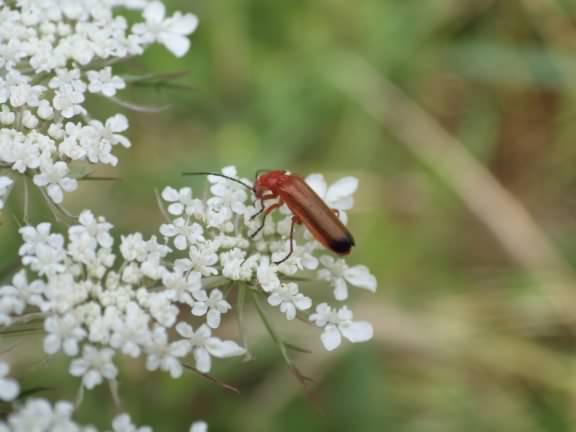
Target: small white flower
109 132
204 345
267 275
131 333
289 299
63 333
184 233
9 388
202 259
96 228
170 32
55 178
237 266
181 202
104 82
94 366
338 323
68 101
133 247
228 196
213 306
182 285
165 355
339 275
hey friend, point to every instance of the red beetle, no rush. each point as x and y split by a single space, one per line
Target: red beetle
306 206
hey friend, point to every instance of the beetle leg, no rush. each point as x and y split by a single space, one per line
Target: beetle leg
295 220
266 213
263 207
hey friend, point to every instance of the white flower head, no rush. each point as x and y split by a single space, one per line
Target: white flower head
204 345
104 82
165 355
338 323
181 202
289 299
54 177
94 366
171 31
340 275
213 306
63 334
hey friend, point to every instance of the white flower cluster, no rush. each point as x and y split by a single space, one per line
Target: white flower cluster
53 53
38 414
215 234
161 299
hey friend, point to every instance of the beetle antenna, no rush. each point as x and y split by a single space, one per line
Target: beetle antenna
219 175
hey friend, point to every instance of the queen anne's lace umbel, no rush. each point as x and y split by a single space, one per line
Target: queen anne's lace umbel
162 298
54 54
98 303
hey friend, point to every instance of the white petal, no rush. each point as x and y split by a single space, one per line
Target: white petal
340 289
167 230
184 329
55 192
51 344
203 361
289 310
180 242
331 338
180 348
361 277
78 367
213 318
117 123
274 299
92 379
185 24
176 44
70 347
317 183
357 331
199 309
342 188
302 302
170 194
342 204
224 349
9 389
175 209
154 11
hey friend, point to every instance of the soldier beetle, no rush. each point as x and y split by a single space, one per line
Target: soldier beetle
306 206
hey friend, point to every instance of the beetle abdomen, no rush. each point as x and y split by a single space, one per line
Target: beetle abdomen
313 212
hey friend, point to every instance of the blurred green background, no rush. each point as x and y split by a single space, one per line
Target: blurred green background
468 336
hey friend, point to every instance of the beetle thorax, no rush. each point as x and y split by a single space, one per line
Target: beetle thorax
269 181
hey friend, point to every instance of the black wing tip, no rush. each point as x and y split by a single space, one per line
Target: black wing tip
342 245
